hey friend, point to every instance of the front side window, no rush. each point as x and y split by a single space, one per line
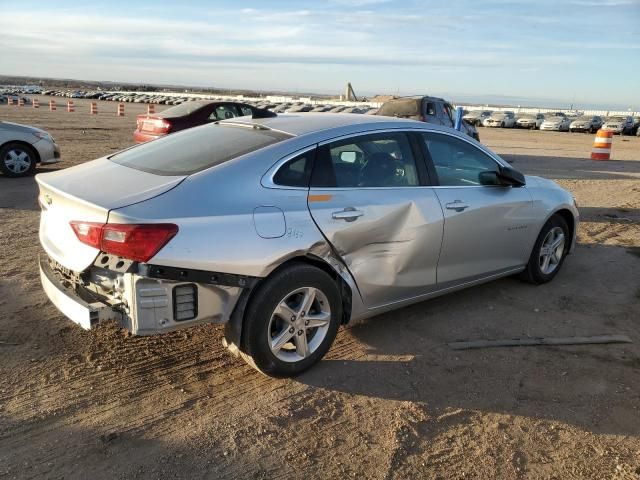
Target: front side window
374 160
224 112
458 163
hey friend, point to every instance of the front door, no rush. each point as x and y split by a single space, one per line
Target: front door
486 226
369 198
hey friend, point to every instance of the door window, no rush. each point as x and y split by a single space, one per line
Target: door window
223 112
376 160
246 110
458 163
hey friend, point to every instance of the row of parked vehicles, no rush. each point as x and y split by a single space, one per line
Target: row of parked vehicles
555 121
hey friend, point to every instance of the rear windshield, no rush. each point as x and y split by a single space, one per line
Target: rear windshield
196 149
402 108
183 109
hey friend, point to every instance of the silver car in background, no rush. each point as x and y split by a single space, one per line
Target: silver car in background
286 228
22 147
619 125
586 123
532 121
500 119
556 121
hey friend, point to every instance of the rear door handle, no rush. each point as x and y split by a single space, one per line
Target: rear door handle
458 206
349 214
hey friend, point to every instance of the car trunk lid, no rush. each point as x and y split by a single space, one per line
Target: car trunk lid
88 193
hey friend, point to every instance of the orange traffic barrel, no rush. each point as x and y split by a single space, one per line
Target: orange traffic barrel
21 102
94 108
120 111
36 103
151 108
9 100
52 105
70 106
602 146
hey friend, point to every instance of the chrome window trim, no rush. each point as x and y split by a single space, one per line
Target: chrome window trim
267 178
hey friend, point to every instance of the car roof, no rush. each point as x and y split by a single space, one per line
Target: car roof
303 123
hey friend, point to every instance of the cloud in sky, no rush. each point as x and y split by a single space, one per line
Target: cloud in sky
464 47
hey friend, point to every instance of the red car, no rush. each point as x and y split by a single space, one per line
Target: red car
191 114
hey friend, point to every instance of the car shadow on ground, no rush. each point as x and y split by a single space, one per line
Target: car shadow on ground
592 387
571 168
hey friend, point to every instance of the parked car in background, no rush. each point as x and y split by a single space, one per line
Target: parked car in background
636 125
436 111
586 123
190 114
22 147
556 121
500 119
475 117
621 125
286 228
532 121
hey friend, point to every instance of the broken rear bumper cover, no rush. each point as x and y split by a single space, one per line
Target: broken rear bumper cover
141 304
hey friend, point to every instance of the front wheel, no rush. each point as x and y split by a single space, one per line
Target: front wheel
549 252
291 321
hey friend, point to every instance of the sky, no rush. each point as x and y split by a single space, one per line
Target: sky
529 52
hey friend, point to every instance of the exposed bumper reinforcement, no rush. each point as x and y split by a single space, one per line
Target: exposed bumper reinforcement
85 314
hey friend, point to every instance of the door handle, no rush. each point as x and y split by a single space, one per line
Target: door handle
458 206
349 214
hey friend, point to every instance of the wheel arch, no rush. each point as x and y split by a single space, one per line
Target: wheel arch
234 327
26 144
568 217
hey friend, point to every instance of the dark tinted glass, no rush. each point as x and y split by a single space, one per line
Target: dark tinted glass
377 160
196 149
183 109
296 172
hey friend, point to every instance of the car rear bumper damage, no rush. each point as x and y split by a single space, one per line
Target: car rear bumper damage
145 299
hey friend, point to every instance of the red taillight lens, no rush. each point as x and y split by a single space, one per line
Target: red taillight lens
139 242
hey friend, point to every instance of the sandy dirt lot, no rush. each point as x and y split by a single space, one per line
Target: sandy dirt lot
390 401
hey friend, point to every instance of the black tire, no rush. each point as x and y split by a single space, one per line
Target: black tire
255 348
533 273
20 148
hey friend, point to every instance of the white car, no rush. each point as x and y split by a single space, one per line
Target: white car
586 123
619 125
22 147
532 121
558 122
500 119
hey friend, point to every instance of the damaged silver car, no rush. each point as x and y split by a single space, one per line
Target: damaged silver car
286 228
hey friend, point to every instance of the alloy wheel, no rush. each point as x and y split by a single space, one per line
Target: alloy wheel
299 324
551 250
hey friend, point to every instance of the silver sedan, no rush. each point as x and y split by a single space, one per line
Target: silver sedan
22 147
286 228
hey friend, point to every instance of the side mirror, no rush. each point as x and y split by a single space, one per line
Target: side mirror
348 157
511 177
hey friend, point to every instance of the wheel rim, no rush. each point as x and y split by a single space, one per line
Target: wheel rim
552 250
17 161
299 324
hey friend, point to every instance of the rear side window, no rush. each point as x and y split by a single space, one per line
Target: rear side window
224 112
196 149
374 160
296 172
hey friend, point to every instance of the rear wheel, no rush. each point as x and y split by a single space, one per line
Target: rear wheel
291 321
548 252
17 160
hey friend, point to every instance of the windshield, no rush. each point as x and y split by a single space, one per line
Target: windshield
196 149
616 119
584 118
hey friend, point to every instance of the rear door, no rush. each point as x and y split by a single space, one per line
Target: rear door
486 226
370 198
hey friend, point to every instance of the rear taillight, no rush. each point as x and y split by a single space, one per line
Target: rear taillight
139 242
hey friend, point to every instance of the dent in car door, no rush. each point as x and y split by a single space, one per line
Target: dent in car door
487 228
389 237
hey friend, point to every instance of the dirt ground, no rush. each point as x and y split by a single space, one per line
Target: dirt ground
390 401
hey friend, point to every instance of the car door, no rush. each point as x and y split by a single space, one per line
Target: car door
486 225
370 197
